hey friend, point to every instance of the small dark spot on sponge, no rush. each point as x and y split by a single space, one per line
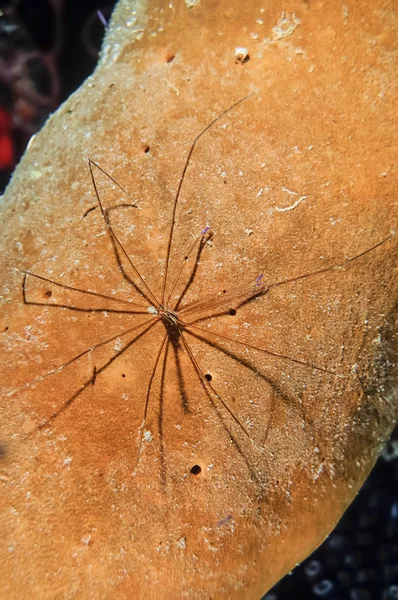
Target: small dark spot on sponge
196 470
242 59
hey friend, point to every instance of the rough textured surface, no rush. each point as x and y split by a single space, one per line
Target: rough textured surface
298 178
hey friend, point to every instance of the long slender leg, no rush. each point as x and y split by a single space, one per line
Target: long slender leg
115 237
259 288
92 380
114 244
259 349
148 394
122 269
81 354
241 295
199 243
233 439
141 308
276 388
133 203
338 267
208 385
177 196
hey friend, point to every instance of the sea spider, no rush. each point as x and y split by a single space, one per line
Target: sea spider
185 329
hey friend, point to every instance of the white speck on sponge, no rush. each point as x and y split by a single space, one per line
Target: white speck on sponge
147 436
181 543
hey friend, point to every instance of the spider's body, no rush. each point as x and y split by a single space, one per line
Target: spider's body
169 317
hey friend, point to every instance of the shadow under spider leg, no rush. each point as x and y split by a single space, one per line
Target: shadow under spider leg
259 349
267 288
331 268
163 474
62 367
275 387
180 375
92 380
235 299
206 386
120 265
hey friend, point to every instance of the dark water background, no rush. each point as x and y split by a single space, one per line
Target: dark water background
47 48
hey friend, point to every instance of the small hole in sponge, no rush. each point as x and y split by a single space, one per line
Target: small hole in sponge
232 312
48 294
196 470
170 58
146 149
208 377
